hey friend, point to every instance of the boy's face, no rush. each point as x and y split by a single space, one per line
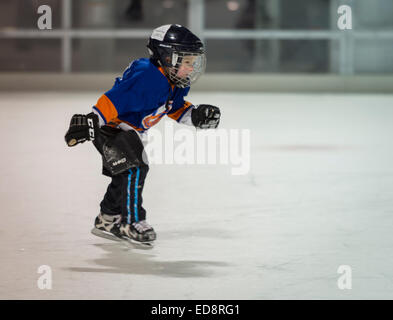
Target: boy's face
186 67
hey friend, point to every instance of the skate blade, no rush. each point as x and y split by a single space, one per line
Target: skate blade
110 236
105 234
138 244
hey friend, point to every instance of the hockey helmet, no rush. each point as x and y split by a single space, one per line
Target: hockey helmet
169 45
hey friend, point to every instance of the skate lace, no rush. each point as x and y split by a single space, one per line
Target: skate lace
142 226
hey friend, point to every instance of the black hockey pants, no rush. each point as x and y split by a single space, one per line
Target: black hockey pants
124 193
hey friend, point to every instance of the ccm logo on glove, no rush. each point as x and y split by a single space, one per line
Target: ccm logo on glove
82 128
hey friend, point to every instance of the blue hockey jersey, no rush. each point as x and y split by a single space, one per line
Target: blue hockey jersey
141 97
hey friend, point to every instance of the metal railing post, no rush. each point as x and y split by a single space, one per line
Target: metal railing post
196 17
66 39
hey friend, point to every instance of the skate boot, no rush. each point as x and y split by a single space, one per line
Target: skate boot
107 226
138 233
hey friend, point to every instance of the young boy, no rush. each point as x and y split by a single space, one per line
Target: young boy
148 90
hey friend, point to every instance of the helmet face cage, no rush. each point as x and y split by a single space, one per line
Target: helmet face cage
198 68
179 52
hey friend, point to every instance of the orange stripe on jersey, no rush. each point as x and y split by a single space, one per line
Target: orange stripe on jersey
116 121
163 72
176 115
107 108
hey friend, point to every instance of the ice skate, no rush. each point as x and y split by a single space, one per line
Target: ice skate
107 226
140 233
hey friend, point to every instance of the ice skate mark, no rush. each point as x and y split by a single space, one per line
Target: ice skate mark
285 265
307 147
197 233
252 180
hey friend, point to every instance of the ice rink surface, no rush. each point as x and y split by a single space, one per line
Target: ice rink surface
318 195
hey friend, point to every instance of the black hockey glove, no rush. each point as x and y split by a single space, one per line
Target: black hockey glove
206 116
82 128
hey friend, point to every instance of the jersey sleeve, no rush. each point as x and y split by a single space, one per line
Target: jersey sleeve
181 110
